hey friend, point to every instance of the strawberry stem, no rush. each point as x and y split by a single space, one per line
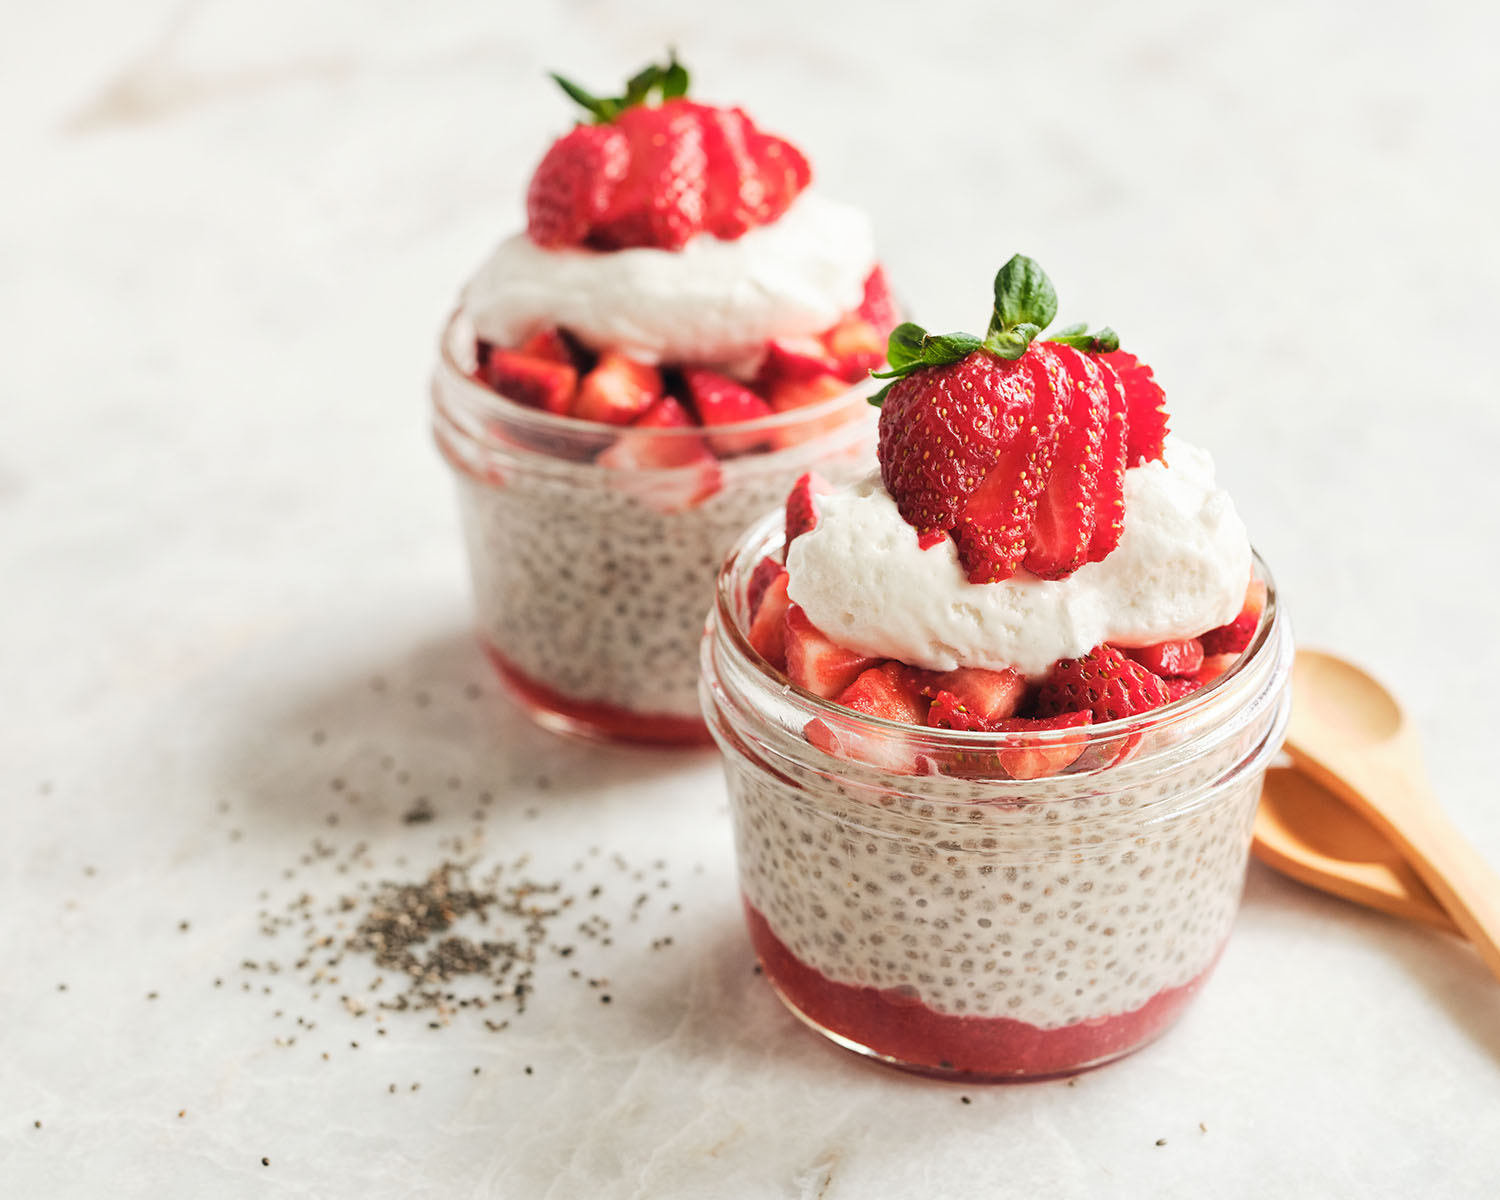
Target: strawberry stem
669 81
1025 304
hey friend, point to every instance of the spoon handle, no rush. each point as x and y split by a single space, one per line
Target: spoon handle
1410 816
1460 879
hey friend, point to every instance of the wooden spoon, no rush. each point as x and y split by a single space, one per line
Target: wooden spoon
1306 832
1350 734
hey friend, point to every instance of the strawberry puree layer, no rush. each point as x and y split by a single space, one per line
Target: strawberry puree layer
594 719
902 1028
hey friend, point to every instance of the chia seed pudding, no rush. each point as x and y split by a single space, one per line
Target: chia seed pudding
919 906
591 582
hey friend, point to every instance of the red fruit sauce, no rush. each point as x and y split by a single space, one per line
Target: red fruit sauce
915 1037
593 719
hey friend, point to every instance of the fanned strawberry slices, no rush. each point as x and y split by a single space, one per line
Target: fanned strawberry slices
1015 446
647 174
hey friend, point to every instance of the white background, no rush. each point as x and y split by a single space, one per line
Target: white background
229 232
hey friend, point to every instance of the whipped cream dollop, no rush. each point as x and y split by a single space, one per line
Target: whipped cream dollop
1180 569
712 301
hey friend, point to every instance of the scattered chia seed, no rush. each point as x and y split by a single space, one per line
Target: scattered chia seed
965 1100
1161 1141
265 1162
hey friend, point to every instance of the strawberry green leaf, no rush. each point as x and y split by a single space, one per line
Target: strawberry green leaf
1024 295
1102 341
667 82
674 80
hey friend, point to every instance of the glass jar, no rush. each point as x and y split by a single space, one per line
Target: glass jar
912 901
592 572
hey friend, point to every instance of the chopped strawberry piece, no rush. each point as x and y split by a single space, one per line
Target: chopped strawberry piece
548 345
660 202
1041 757
943 429
949 712
1213 666
768 627
1146 402
1109 496
638 449
1239 633
534 381
815 662
856 346
996 523
575 184
617 390
765 571
1178 688
794 360
878 307
988 696
1064 527
1165 659
801 506
721 401
933 537
1104 683
884 692
789 395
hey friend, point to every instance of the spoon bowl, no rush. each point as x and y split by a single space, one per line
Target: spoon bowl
1350 734
1307 833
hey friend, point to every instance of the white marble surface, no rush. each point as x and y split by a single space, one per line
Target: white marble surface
228 233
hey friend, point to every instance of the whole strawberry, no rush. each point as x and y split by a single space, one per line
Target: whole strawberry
1016 447
656 169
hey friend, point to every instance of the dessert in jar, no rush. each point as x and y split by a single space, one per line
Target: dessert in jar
683 328
995 718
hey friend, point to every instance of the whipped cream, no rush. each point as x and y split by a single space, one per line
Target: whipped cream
1180 569
712 301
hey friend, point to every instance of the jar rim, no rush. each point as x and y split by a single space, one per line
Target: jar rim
455 387
1271 633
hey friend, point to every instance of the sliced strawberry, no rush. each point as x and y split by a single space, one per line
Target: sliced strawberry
783 171
801 506
1104 683
884 692
661 200
1041 757
1239 633
942 430
878 307
768 627
988 696
815 662
765 571
719 400
856 347
1109 497
1170 659
575 184
996 522
534 381
618 390
1064 527
1146 403
736 193
549 345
